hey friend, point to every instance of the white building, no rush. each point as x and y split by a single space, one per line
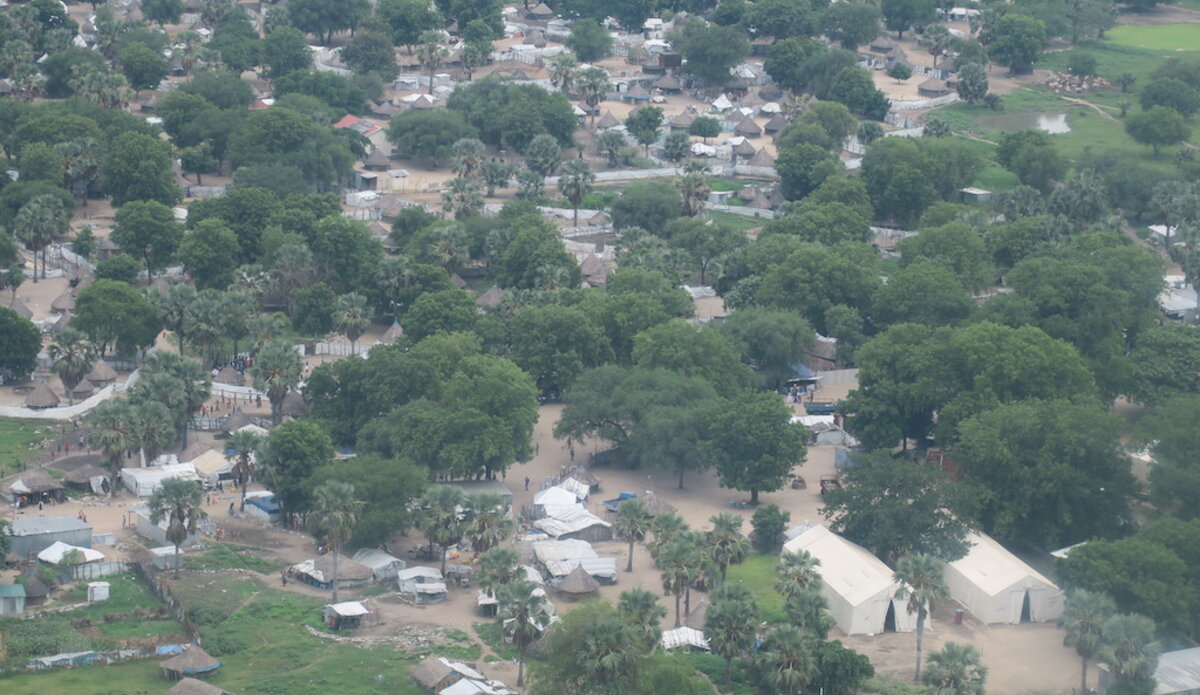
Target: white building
858 586
997 587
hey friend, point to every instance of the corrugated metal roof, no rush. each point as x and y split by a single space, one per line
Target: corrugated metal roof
47 524
1178 672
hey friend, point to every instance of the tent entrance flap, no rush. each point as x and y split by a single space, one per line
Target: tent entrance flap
1025 609
889 620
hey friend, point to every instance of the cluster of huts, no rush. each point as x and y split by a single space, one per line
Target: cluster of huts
445 677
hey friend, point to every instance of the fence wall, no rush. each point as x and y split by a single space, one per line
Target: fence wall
99 570
919 104
163 593
835 377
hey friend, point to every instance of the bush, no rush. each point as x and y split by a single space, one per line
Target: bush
207 615
1081 64
899 71
219 643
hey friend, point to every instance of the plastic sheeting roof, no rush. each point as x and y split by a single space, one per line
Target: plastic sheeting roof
55 553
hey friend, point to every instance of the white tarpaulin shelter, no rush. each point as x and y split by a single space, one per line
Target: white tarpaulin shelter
212 464
55 553
997 587
858 586
575 487
556 500
722 103
684 637
348 609
604 568
561 551
383 564
424 583
144 481
573 521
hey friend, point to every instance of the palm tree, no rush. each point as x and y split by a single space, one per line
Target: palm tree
468 158
1083 620
937 39
352 316
178 501
631 525
243 445
194 383
335 511
497 567
496 174
81 159
562 70
489 523
786 663
575 183
462 198
694 187
922 581
151 428
111 423
955 670
809 610
276 372
681 562
100 86
292 268
730 625
1130 649
172 305
797 572
611 142
664 527
642 612
431 52
203 320
608 654
441 516
265 329
449 246
72 354
592 85
726 544
520 614
37 223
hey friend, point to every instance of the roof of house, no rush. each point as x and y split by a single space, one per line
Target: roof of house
348 609
570 521
491 298
41 397
192 686
34 587
376 159
989 566
748 127
558 551
84 474
229 375
683 120
35 526
293 404
933 84
392 334
542 10
577 582
376 559
192 660
607 121
744 149
698 615
63 302
12 591
1178 672
32 482
667 82
101 371
777 123
762 158
431 671
846 568
347 569
84 387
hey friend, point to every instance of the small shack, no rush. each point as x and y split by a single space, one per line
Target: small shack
212 466
102 374
860 589
933 87
191 686
346 615
997 587
63 302
41 397
33 487
143 482
576 585
422 584
12 599
748 128
435 674
318 572
575 524
263 506
384 566
607 121
31 536
194 661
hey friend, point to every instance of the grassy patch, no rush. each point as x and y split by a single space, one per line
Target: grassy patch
17 442
491 636
719 184
1161 37
713 666
223 556
130 611
118 679
740 222
757 572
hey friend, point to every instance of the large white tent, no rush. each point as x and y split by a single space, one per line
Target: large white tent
997 587
858 586
144 481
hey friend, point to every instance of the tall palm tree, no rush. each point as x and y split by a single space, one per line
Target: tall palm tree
441 516
351 316
680 561
449 246
151 428
575 183
521 612
497 567
37 223
631 525
172 305
592 85
265 329
726 544
796 572
431 52
922 581
1083 620
292 268
334 514
111 424
643 613
488 524
276 372
100 86
462 198
787 662
72 354
694 187
1130 649
194 384
809 609
562 70
203 321
608 654
730 625
955 670
664 527
179 502
468 158
81 160
243 445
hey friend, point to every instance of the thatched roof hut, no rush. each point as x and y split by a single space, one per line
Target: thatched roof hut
41 397
657 506
668 83
577 583
433 673
682 121
542 11
744 149
83 389
762 158
229 375
377 160
777 123
695 619
102 373
63 302
34 483
392 334
607 121
18 306
191 686
491 298
83 475
235 422
748 128
293 404
191 662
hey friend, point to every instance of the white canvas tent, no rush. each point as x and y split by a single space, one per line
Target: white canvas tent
997 587
424 584
684 637
858 586
144 481
55 553
212 464
556 500
382 564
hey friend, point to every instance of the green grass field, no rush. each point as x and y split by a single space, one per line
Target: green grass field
17 438
1162 37
127 597
226 556
757 572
